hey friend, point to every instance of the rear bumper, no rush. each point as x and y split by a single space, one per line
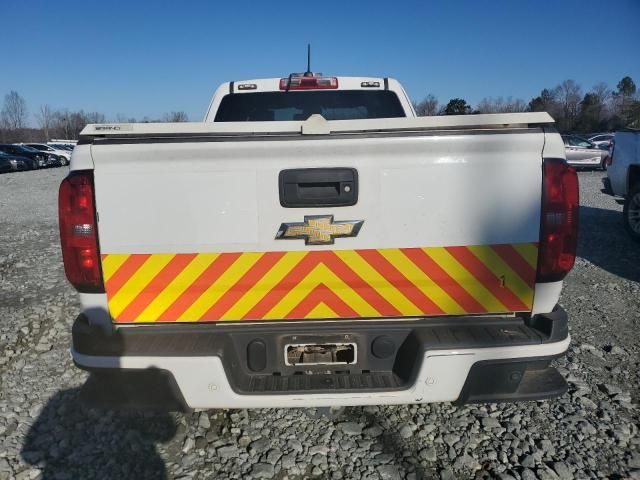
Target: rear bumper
461 359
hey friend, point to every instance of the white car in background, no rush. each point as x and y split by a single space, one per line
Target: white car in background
65 154
602 140
583 153
61 146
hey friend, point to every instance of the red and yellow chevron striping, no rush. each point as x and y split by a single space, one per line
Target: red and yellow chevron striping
392 282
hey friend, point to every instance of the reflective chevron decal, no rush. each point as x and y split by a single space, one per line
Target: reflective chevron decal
395 282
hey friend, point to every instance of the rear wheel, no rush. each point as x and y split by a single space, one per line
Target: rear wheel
631 213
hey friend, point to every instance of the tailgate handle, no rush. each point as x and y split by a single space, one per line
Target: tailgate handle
318 187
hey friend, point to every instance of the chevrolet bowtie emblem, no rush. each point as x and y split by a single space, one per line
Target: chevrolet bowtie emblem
319 230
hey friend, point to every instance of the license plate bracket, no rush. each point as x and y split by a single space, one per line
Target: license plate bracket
310 354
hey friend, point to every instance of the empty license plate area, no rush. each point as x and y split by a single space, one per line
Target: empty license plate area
320 354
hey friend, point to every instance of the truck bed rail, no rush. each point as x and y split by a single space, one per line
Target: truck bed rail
315 125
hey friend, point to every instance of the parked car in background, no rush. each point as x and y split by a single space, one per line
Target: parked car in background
581 152
65 154
36 158
602 139
13 163
62 146
62 141
7 164
54 160
623 178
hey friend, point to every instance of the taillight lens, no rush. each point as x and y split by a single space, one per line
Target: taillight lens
78 232
308 83
559 225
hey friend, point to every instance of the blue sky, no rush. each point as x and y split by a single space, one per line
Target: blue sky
139 58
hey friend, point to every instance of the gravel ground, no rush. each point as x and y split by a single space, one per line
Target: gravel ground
591 432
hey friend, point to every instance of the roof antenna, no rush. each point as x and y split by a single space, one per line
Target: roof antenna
308 73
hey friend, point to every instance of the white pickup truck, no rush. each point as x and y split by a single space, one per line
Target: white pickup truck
313 243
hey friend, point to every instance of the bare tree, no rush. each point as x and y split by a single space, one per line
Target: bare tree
427 107
604 98
69 124
60 123
487 105
174 117
570 96
95 117
121 118
76 121
14 111
44 118
602 91
500 105
516 105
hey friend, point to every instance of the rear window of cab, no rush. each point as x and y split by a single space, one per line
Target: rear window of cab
296 105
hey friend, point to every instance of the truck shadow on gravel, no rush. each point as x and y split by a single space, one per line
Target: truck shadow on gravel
604 242
393 450
69 441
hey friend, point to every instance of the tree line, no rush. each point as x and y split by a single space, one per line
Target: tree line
599 109
57 123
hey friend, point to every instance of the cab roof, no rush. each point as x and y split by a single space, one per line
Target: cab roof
276 84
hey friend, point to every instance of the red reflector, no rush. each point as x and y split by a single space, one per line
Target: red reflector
308 83
559 223
78 232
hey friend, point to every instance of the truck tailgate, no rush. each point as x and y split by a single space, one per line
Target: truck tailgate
188 227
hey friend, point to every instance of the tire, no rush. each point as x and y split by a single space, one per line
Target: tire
631 213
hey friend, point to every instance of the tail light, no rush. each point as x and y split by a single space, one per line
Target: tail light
78 232
308 83
559 225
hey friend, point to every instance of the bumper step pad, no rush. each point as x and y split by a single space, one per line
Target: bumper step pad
149 389
511 381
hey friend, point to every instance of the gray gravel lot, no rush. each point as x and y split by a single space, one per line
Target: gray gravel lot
591 432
